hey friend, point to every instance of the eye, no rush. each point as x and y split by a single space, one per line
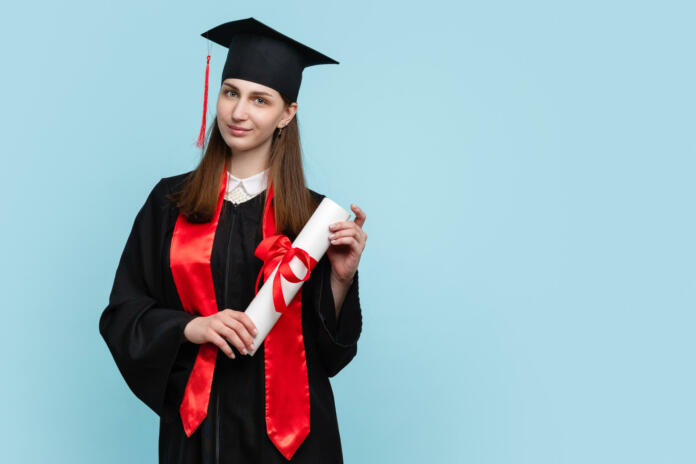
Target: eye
228 91
263 102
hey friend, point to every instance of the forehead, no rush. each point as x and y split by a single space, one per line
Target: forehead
249 86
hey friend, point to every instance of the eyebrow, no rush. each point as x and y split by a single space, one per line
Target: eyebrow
256 92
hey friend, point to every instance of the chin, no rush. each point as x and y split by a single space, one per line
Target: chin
239 145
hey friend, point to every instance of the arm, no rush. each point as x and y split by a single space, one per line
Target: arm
339 288
143 336
338 332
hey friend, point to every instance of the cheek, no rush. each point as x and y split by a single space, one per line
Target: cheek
268 122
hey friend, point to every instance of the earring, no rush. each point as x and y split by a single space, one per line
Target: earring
280 130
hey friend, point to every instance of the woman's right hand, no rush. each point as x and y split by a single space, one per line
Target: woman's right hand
221 327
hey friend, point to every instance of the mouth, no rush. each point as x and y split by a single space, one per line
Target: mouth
238 131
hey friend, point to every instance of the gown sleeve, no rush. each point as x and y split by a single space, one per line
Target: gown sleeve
337 339
143 336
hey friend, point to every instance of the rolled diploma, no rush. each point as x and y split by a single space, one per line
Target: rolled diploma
314 239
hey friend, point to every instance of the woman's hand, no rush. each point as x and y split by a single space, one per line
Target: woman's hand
221 327
347 244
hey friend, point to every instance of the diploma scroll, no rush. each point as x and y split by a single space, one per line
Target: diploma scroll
314 239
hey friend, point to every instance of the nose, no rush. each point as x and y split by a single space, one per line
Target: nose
239 111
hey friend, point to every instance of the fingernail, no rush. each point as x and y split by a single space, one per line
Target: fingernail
244 351
256 332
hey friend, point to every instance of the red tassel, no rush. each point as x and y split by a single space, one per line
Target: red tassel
201 134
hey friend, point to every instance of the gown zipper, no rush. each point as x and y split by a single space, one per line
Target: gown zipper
227 258
224 306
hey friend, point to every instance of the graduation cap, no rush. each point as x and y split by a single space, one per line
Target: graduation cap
263 55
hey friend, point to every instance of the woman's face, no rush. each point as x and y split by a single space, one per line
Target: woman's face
248 113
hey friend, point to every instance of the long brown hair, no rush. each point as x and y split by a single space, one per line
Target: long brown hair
292 202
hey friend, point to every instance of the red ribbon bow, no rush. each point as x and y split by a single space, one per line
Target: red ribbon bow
278 248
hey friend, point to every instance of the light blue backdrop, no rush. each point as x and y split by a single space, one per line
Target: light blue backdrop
527 171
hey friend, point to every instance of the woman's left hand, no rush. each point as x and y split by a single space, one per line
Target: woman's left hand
347 242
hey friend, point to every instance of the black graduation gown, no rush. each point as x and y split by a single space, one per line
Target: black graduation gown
143 327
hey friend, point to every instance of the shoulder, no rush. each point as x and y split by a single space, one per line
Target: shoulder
172 183
158 199
167 185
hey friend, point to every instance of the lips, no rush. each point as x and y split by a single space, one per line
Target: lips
237 131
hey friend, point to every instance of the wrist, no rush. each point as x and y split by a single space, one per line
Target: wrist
184 337
344 282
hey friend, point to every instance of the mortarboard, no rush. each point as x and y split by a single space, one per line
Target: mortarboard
263 55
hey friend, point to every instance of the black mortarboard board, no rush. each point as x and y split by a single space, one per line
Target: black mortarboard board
263 55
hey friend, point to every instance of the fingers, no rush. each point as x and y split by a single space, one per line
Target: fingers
358 221
242 318
226 329
221 343
359 214
246 320
233 337
238 328
344 225
348 235
345 237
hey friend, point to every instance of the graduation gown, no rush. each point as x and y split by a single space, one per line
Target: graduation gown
143 326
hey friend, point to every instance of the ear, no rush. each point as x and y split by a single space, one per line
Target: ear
289 113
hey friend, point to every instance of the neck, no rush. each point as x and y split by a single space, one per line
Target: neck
242 164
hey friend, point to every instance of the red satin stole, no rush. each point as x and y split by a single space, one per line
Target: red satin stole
189 259
286 380
287 384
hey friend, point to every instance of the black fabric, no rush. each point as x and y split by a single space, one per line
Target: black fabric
261 54
143 327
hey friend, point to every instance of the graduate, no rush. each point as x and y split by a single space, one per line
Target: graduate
176 323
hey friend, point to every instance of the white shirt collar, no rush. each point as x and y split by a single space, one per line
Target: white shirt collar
252 185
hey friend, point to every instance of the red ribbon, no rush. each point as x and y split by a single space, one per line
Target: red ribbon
286 380
278 248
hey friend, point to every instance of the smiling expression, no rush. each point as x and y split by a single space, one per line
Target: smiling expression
248 113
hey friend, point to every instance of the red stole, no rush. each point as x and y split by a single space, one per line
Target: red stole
286 380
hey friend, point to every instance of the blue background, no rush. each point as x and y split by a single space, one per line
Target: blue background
527 171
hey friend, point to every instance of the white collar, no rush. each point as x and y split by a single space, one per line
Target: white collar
252 185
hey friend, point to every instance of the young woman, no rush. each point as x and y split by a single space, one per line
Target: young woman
175 323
